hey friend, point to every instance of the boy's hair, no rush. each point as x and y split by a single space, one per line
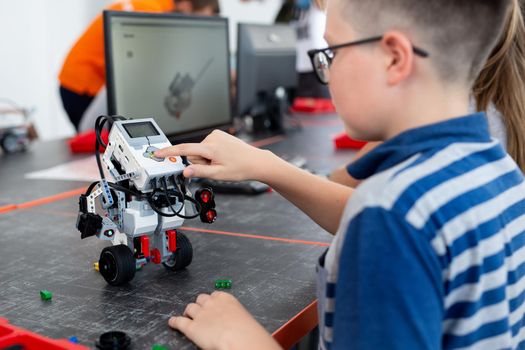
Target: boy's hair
458 34
200 4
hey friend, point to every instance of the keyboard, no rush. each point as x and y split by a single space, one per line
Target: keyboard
234 187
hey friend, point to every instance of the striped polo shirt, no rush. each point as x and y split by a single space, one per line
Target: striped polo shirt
430 253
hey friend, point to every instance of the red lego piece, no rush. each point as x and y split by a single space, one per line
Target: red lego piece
312 105
172 240
85 142
11 336
144 244
157 258
342 140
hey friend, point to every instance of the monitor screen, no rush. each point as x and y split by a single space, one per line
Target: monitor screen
141 129
266 59
169 67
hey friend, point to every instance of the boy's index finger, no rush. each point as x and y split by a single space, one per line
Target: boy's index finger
185 149
168 151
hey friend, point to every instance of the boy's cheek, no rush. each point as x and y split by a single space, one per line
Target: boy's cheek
348 103
358 100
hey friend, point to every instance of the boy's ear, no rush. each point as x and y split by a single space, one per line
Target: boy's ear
399 56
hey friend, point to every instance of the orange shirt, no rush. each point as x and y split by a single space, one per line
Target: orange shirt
84 70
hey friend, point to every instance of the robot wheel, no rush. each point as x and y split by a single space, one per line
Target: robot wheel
117 264
182 257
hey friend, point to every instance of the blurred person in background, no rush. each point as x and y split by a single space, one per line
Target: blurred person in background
83 74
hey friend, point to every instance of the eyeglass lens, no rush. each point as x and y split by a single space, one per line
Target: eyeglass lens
322 66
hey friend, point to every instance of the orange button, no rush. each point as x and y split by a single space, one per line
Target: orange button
173 159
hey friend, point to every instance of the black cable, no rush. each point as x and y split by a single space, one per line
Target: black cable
99 125
156 209
175 212
121 188
182 189
197 205
165 185
90 188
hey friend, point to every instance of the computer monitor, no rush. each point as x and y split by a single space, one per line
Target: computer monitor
266 59
171 67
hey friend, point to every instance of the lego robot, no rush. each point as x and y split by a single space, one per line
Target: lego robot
14 124
145 205
179 97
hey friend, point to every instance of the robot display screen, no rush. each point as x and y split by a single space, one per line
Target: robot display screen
170 67
142 129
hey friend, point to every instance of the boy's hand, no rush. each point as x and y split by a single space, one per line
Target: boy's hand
219 321
219 156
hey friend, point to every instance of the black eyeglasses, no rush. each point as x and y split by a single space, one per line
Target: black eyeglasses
322 58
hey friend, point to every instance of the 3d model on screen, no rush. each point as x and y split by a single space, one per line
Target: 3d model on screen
180 90
14 124
140 211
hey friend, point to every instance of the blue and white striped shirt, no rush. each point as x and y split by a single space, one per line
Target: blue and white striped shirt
430 253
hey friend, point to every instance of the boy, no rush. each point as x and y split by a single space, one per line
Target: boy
430 249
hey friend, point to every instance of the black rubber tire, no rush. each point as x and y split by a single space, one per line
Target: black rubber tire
10 143
182 256
117 264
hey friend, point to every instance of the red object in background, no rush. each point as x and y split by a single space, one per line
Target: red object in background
11 336
342 140
312 105
85 142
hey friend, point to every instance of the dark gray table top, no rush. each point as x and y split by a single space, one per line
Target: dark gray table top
41 249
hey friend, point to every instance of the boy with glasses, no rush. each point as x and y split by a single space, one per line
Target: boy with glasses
429 251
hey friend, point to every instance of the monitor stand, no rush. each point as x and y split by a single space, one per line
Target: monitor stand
270 113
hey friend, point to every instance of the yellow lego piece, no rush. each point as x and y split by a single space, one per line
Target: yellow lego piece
95 266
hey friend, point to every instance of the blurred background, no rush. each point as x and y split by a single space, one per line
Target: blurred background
36 35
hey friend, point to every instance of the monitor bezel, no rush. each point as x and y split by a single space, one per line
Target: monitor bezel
175 137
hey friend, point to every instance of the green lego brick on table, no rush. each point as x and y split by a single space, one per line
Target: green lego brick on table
46 295
158 347
223 284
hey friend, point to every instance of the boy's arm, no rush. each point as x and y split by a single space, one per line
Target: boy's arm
341 175
322 200
224 157
389 293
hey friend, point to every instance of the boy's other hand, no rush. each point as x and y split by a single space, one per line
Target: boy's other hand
219 321
219 156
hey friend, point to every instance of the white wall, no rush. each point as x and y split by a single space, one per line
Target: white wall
35 36
255 11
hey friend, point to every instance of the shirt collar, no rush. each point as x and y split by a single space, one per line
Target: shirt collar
470 128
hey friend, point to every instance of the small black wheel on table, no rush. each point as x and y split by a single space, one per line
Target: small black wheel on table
117 264
182 256
10 143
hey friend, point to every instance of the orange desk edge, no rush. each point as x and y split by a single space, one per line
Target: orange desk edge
298 327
